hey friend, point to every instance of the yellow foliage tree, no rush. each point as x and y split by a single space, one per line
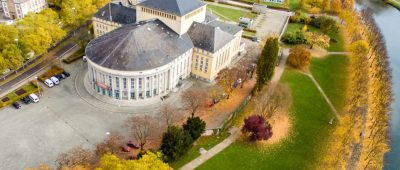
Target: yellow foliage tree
149 161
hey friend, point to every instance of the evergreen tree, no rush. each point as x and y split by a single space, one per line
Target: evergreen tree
175 143
195 126
266 62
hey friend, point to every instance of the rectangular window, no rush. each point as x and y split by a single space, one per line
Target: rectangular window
147 82
124 81
140 83
110 81
133 95
117 82
132 83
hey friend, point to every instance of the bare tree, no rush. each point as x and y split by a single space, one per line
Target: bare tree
142 127
193 98
226 78
77 157
111 144
270 104
170 114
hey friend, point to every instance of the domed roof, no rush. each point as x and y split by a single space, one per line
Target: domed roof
136 47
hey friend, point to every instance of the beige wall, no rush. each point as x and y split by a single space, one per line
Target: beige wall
102 27
179 24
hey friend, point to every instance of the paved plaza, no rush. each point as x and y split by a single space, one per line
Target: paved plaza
66 117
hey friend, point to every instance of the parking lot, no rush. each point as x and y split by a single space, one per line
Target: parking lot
64 118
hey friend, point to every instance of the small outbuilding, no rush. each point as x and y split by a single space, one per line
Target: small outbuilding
245 22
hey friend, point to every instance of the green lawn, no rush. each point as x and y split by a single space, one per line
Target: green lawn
294 4
331 74
395 3
310 114
206 142
229 14
337 47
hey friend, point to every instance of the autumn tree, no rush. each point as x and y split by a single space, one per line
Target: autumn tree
175 143
325 23
257 128
268 104
76 12
110 145
195 126
226 78
192 99
299 57
142 128
149 161
336 5
75 157
267 61
170 114
318 39
100 3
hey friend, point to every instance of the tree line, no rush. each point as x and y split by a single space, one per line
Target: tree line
361 138
35 33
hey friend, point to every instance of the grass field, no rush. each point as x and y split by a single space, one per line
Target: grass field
331 74
337 47
310 114
395 3
206 142
229 14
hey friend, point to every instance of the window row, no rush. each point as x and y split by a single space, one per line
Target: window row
158 13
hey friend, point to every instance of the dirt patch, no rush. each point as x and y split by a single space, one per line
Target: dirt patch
318 52
281 124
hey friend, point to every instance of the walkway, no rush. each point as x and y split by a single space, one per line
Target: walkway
235 133
324 95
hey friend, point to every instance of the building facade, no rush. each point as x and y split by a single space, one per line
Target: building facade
17 9
148 57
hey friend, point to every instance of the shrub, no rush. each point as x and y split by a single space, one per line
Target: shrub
325 23
258 128
296 37
299 17
77 55
195 126
299 57
175 143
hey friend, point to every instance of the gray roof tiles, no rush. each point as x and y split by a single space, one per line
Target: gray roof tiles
177 7
120 14
230 28
208 37
138 47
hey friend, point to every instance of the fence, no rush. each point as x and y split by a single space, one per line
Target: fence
227 123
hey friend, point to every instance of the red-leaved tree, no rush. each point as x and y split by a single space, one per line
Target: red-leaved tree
257 128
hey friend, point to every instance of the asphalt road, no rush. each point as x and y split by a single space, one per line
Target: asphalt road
31 72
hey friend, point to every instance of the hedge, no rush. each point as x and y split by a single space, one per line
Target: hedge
31 87
77 55
52 72
250 30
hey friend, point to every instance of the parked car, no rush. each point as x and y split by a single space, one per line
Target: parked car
48 83
63 76
26 100
66 73
55 80
16 105
34 98
58 76
125 149
132 145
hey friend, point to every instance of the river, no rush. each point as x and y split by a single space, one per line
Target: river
388 20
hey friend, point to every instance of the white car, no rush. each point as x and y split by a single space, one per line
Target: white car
48 83
55 80
34 98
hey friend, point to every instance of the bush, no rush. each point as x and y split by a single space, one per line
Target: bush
296 37
49 73
258 128
195 126
79 54
300 17
175 143
325 23
299 57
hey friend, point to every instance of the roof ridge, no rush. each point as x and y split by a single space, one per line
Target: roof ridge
116 47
